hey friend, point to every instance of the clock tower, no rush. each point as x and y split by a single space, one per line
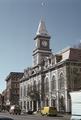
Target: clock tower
42 44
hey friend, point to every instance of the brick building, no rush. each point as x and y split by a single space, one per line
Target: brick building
12 88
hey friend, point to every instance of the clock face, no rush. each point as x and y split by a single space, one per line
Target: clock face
44 43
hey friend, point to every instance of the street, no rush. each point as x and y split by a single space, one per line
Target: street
36 117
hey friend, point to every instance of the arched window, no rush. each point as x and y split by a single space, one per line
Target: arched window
53 83
20 92
24 90
34 86
46 85
61 81
39 85
29 88
61 104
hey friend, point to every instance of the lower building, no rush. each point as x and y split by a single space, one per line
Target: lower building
52 76
12 88
0 102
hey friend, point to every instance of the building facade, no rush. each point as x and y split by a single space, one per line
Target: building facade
12 88
52 76
0 102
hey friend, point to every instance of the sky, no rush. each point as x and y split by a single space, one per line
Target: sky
19 21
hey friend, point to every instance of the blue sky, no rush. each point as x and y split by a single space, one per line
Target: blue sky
19 20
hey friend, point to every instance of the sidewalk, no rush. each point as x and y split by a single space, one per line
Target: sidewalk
66 116
60 116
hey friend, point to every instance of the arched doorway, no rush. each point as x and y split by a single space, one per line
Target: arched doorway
34 105
61 104
69 103
53 102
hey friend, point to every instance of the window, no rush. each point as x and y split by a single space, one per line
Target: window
24 90
46 85
24 104
35 59
21 105
21 92
28 89
34 86
61 81
38 85
53 83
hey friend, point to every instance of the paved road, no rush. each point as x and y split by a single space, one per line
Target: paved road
36 117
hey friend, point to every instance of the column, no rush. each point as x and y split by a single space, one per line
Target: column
66 102
37 105
57 90
50 75
57 100
32 105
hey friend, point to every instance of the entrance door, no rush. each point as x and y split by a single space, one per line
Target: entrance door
61 104
53 103
34 106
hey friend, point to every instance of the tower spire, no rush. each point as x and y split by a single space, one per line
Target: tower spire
42 29
42 44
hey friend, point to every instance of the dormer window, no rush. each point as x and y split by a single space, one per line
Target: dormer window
58 58
49 61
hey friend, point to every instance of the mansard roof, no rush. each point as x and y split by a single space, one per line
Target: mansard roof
71 54
12 74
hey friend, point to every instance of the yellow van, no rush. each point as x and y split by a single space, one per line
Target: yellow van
51 111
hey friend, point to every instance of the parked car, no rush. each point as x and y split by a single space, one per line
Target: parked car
5 118
14 109
30 112
50 111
